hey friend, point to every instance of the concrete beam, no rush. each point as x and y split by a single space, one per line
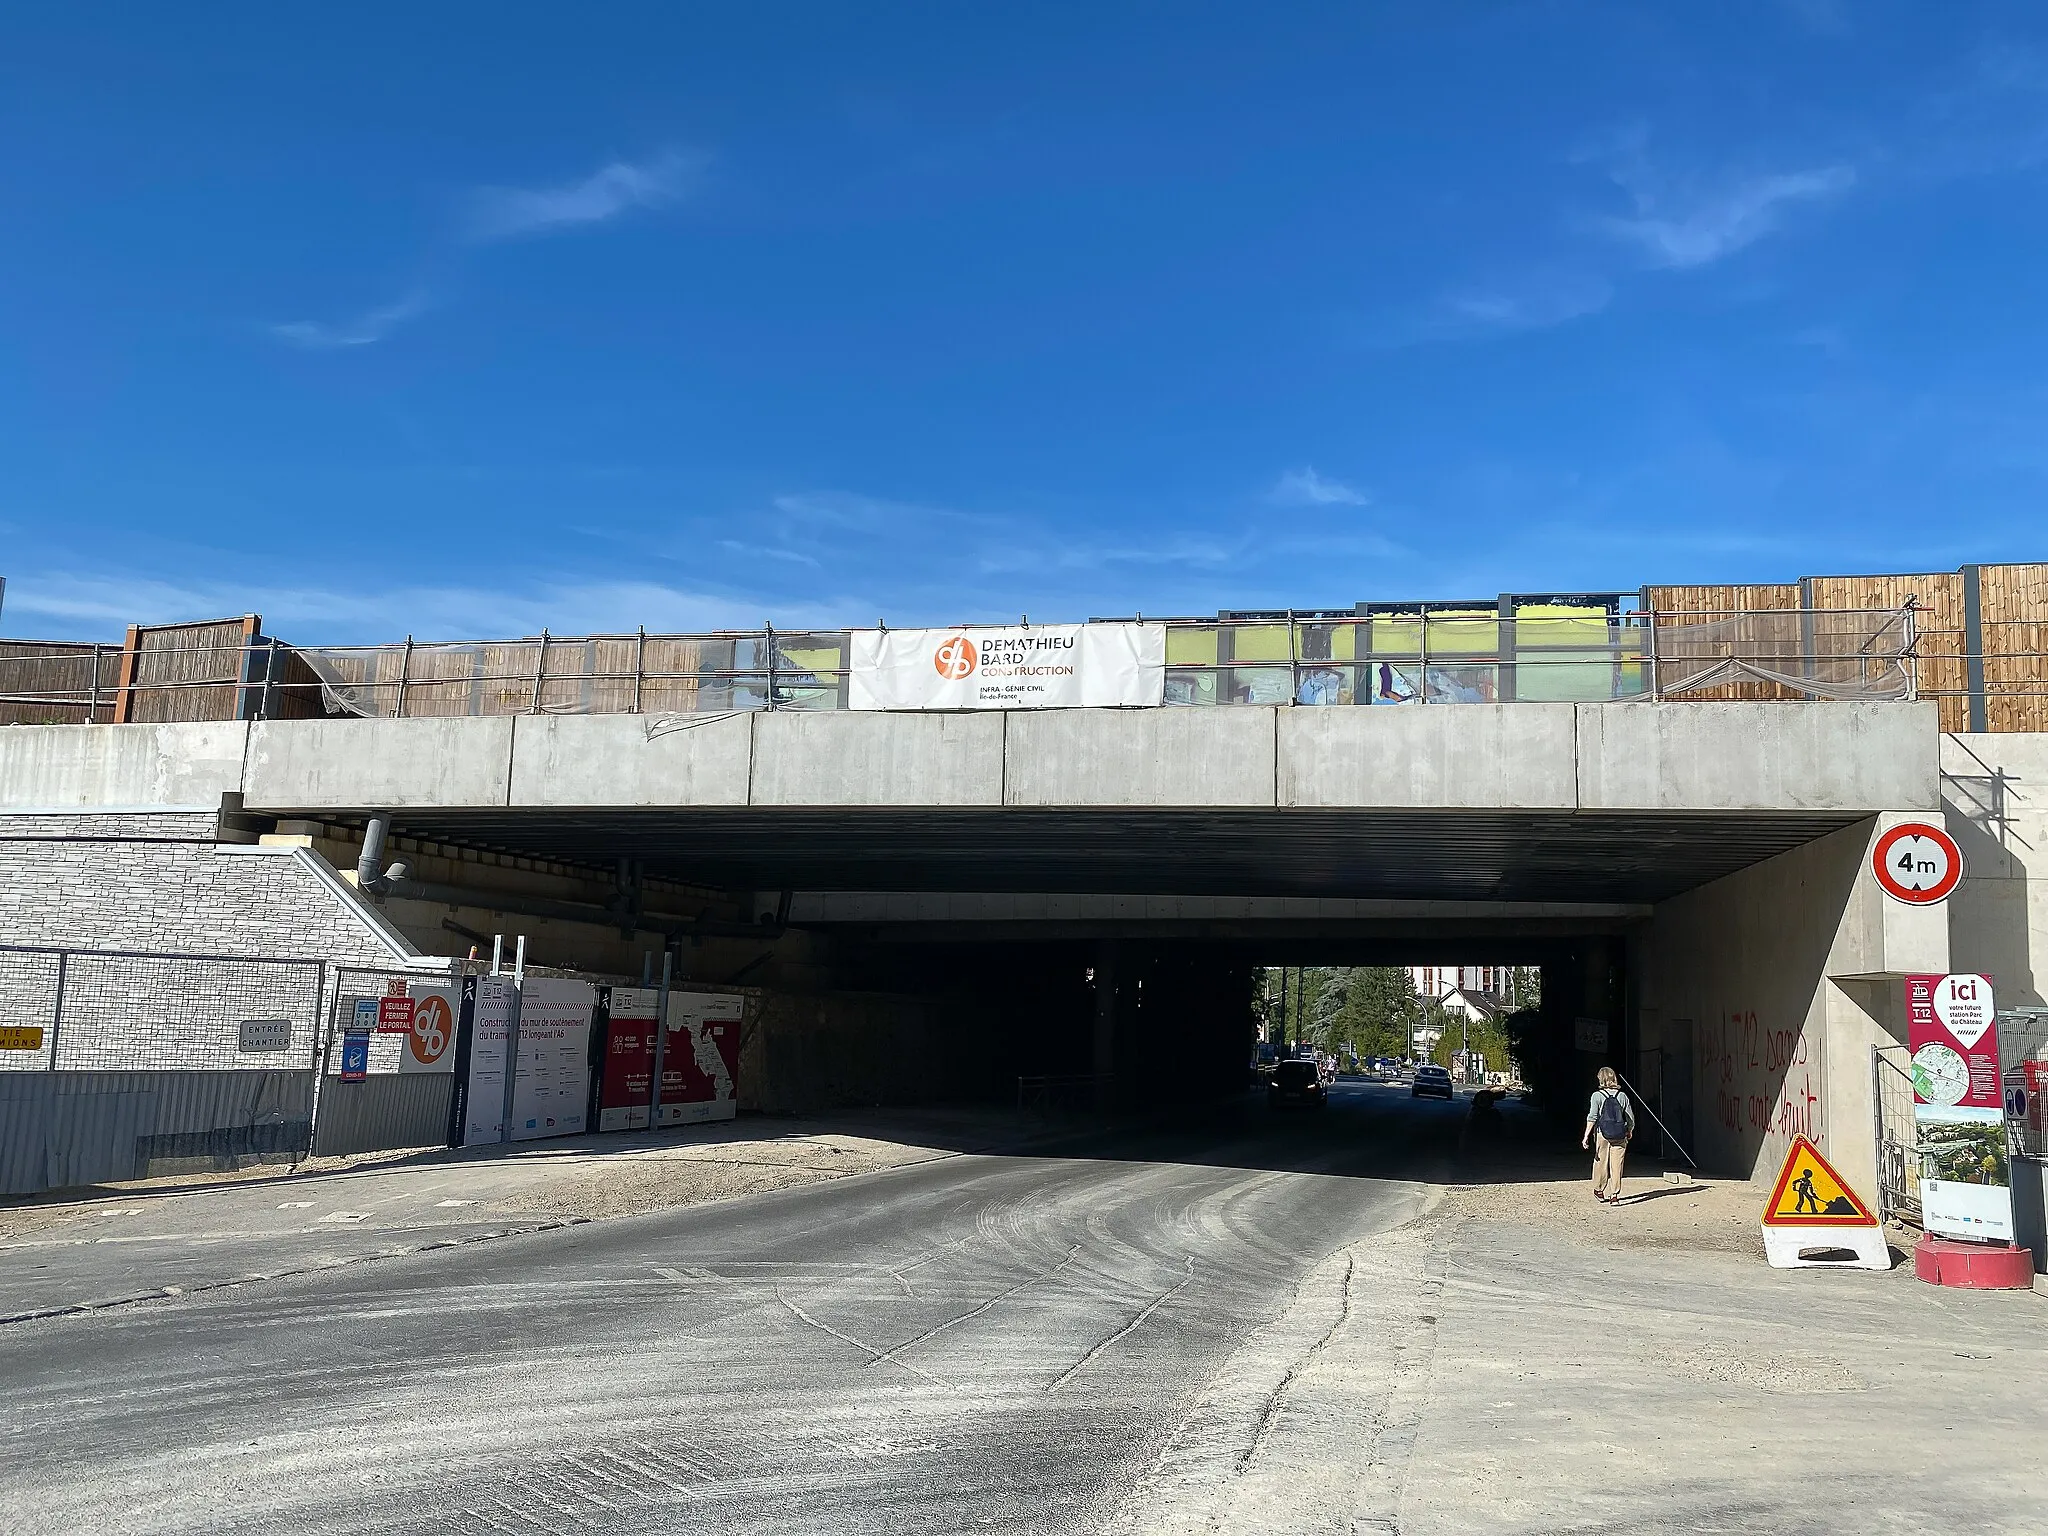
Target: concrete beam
1760 756
859 758
1031 907
367 765
1141 757
613 760
1481 756
120 767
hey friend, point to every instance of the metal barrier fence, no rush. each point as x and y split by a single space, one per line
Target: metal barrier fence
387 1107
136 1010
1898 1134
2023 1064
1417 655
125 1064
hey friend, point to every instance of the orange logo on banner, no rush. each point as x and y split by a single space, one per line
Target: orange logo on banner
955 658
1809 1193
433 1029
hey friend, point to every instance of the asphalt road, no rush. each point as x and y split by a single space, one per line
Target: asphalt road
980 1342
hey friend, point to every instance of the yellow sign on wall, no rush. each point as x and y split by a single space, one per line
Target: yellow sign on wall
17 1037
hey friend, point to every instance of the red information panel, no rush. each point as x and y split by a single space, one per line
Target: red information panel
1959 1108
1954 1041
627 1085
700 1066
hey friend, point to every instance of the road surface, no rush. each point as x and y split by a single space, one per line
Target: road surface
979 1342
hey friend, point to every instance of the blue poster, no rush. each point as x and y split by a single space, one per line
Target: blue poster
355 1058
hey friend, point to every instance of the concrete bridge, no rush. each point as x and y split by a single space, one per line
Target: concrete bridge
1668 863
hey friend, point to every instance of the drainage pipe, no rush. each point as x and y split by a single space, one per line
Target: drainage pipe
370 878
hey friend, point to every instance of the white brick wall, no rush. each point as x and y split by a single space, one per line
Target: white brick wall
121 883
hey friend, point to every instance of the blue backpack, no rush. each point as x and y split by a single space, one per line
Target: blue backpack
1612 1121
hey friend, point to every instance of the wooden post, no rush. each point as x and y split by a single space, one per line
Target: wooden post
124 679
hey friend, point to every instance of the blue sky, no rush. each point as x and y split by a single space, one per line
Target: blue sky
468 320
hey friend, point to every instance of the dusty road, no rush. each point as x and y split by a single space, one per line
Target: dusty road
976 1342
1251 1324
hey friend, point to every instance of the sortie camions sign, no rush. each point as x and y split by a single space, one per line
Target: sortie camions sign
1042 666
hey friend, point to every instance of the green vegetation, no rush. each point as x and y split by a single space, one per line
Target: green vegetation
1374 1010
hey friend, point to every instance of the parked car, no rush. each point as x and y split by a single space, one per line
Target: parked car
1296 1083
1432 1079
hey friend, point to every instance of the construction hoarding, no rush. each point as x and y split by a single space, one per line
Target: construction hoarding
1959 1107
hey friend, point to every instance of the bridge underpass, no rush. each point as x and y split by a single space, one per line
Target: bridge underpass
1668 864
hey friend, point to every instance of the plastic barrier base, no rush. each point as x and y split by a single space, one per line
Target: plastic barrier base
1973 1266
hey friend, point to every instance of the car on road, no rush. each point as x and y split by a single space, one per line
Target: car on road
1296 1083
1431 1079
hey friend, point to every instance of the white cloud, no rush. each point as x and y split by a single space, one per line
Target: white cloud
371 326
1305 488
507 213
1534 304
1689 229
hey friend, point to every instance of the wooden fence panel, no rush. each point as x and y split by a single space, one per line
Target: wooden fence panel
186 671
2013 606
1679 607
1943 674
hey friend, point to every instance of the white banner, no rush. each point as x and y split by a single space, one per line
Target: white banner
550 1094
489 1029
1044 666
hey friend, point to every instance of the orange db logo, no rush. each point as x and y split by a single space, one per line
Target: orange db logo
955 658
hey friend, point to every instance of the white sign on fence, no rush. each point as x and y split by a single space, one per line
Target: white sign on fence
1042 666
489 1030
550 1095
266 1034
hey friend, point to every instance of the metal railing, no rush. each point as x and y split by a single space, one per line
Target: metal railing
1312 659
1897 1132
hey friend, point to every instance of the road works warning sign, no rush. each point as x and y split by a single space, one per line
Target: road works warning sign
1814 1220
1809 1193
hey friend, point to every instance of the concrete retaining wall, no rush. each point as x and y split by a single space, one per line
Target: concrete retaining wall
1784 976
1994 793
803 1054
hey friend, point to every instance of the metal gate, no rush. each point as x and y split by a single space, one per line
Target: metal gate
1898 1136
386 1109
123 1064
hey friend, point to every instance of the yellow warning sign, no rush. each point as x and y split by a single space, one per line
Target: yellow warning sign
1809 1193
21 1037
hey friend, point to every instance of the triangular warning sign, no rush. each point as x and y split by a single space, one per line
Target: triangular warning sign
1809 1193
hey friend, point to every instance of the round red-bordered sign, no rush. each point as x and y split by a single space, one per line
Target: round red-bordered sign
1917 863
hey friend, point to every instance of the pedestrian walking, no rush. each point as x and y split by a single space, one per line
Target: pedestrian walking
1610 1121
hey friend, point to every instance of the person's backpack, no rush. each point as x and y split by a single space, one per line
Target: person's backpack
1612 1121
